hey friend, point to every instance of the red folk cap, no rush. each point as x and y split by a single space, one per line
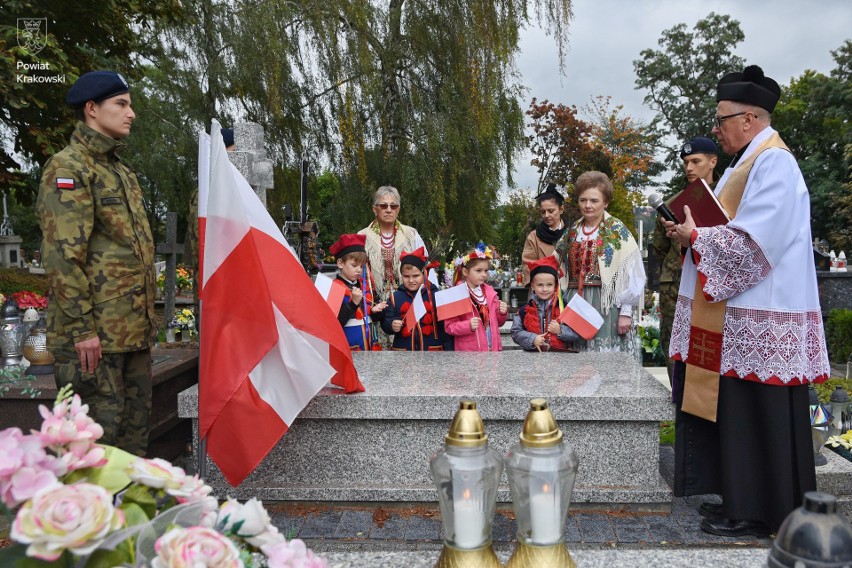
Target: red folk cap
348 243
547 264
415 258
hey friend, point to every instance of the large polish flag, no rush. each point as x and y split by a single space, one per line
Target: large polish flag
453 301
268 341
582 317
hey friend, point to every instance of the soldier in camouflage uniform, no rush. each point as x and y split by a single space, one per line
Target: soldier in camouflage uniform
699 159
99 254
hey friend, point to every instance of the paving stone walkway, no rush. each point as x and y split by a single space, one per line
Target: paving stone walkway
357 527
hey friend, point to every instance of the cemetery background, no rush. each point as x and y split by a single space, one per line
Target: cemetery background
367 152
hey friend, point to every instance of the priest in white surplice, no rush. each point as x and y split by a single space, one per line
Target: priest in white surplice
747 333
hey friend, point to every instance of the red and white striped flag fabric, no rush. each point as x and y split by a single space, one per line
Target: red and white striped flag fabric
331 292
268 342
582 317
417 310
453 301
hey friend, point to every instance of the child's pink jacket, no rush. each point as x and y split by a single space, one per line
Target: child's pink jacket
467 340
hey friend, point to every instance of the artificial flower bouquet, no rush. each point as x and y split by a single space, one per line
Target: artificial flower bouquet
184 319
79 503
26 299
841 444
183 278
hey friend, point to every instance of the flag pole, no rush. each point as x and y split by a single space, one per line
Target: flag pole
200 443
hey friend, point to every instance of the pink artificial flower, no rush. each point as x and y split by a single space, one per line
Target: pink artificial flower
11 453
71 433
191 489
74 517
28 481
24 467
195 547
292 554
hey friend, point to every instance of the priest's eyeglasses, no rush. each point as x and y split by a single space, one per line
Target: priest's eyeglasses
393 206
717 120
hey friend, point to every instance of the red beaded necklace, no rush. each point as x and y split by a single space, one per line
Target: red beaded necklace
592 232
387 239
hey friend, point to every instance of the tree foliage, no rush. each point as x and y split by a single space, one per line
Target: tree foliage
415 94
813 118
34 120
681 79
515 218
564 146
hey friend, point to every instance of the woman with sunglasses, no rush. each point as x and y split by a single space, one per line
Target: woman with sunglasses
386 239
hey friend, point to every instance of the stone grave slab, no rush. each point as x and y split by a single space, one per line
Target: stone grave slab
375 446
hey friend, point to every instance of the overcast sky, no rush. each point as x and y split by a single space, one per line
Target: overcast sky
784 37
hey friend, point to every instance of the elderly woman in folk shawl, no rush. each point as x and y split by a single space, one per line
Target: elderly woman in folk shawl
386 239
603 264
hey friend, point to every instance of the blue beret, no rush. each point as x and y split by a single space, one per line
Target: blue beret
228 136
96 86
698 145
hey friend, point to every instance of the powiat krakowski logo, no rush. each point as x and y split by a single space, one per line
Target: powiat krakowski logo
32 34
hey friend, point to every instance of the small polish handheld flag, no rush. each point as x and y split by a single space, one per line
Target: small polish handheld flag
331 292
417 311
453 301
258 368
582 317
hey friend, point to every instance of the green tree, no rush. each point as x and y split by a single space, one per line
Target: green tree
564 146
681 79
813 118
419 95
628 146
80 37
515 218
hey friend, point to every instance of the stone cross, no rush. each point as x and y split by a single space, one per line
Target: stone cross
6 226
171 249
250 158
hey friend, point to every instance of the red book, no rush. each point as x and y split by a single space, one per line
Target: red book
703 204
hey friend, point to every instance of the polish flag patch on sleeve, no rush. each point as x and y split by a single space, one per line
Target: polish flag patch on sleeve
64 183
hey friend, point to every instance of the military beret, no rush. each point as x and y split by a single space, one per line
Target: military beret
750 87
96 86
228 136
348 243
698 145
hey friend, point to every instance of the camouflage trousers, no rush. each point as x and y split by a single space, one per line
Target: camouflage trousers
668 302
118 394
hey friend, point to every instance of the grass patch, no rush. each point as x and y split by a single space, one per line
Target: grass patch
667 433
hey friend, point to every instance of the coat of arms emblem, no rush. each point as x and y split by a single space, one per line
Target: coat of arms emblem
32 34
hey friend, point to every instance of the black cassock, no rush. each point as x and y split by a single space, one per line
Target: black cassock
758 455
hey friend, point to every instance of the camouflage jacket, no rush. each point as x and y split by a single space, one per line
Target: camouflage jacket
98 249
668 252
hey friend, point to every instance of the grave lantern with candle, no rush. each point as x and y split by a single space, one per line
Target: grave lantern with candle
541 471
466 473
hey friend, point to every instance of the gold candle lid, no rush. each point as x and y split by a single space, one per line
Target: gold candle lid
467 429
540 428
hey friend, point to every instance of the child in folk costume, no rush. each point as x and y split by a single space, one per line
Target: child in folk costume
536 325
427 334
357 308
479 329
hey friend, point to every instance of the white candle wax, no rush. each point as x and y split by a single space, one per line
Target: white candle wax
468 521
545 521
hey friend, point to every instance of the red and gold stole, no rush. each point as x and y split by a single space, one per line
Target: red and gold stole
703 362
